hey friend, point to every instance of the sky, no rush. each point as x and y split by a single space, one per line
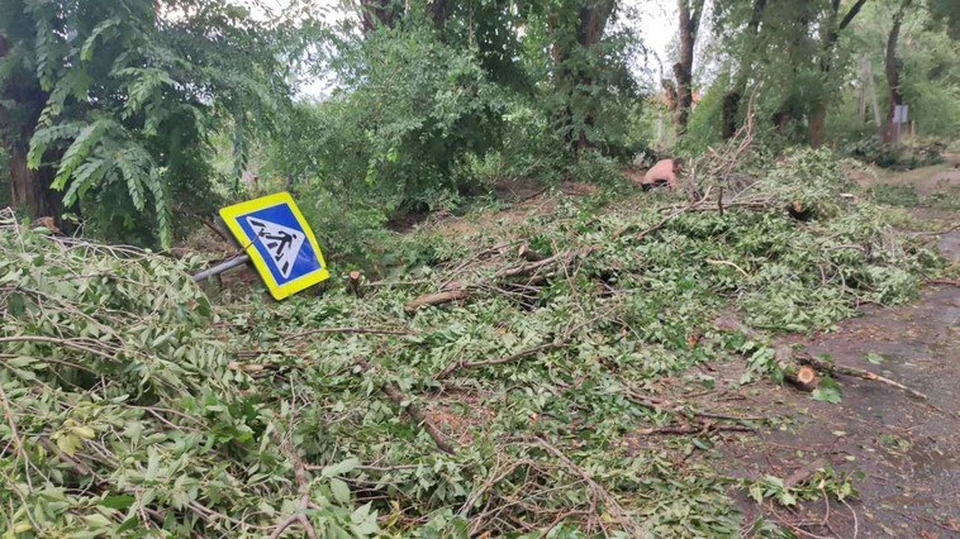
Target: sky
655 20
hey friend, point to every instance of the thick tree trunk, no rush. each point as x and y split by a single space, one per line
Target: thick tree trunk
30 189
892 68
815 124
441 11
690 13
730 122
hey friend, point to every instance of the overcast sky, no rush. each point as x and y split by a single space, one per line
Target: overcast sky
655 19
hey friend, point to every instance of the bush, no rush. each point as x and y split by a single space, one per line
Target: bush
870 149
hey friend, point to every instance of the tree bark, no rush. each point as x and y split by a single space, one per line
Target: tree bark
441 11
892 68
378 13
731 101
690 14
30 189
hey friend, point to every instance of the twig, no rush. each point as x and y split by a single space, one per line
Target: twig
689 429
856 521
393 392
919 520
351 330
728 263
612 505
953 227
303 482
438 298
464 364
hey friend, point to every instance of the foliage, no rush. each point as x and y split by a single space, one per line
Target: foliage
133 89
870 149
122 411
220 419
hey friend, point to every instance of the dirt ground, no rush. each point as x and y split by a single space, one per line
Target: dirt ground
904 453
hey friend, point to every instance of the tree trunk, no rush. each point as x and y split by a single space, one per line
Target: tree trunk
892 67
830 33
441 11
816 123
593 20
30 189
690 13
731 101
377 13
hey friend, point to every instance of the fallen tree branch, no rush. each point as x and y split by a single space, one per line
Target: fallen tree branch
613 506
351 330
694 429
833 368
463 292
464 364
303 482
728 263
438 298
392 391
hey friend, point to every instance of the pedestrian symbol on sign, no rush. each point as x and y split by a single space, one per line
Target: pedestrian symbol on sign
279 242
283 243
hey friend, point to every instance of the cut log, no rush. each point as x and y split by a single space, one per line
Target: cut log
803 377
353 283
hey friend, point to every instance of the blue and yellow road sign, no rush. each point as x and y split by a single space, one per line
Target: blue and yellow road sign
279 242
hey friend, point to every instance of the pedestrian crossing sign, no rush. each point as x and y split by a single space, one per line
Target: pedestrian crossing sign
279 242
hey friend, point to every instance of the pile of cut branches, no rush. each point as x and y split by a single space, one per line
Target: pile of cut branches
119 408
540 375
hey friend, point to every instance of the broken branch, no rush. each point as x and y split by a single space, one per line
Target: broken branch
825 366
464 364
392 391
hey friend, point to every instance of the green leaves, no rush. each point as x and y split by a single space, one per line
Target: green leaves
828 391
340 468
133 94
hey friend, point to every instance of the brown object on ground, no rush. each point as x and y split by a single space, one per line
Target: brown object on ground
578 189
353 283
694 429
662 173
804 473
438 298
392 391
49 224
462 292
528 254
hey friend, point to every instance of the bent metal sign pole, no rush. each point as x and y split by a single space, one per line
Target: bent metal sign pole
277 239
